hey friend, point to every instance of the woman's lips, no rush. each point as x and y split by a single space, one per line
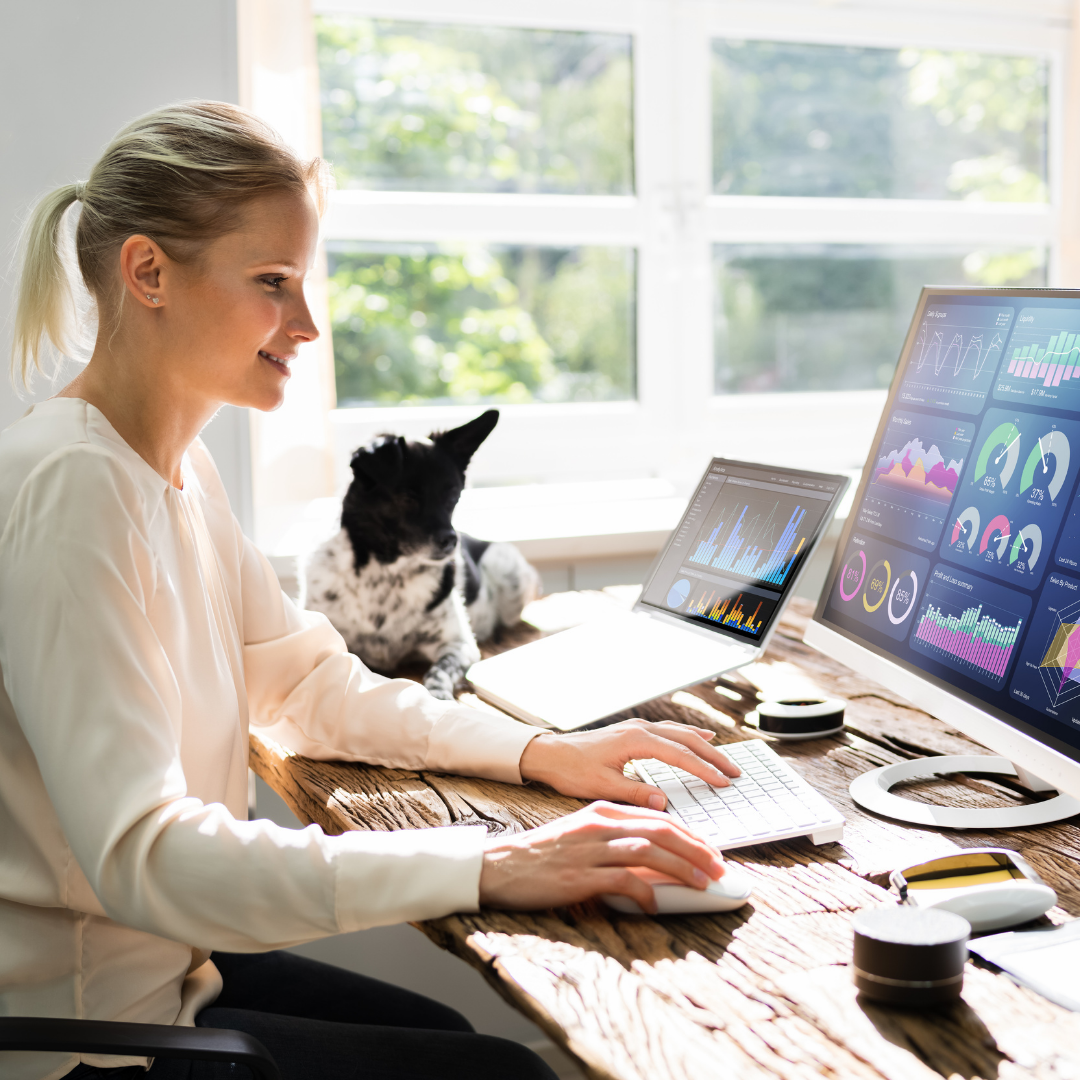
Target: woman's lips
281 364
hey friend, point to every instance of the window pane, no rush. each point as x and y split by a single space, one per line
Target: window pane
794 119
414 106
417 323
834 316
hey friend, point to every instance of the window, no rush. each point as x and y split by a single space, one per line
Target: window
653 232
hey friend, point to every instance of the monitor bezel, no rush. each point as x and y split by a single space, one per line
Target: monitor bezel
976 716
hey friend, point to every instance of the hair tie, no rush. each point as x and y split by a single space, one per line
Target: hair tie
80 187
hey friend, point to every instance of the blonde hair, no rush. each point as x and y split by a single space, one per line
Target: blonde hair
181 176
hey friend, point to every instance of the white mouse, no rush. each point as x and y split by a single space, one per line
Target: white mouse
675 898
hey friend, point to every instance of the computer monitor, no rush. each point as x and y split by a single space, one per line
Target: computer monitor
956 581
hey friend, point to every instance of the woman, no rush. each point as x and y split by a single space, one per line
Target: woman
141 633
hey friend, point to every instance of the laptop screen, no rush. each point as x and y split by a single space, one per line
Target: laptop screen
740 546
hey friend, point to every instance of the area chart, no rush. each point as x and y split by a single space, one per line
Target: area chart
916 472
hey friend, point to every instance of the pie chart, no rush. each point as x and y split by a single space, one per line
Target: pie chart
678 593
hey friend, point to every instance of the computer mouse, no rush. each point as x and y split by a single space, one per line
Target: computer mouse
675 898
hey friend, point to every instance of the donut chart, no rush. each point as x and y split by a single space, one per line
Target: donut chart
879 585
852 577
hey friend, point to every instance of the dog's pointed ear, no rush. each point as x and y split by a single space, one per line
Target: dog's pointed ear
461 443
380 463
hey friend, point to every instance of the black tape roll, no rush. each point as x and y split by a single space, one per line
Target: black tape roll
801 717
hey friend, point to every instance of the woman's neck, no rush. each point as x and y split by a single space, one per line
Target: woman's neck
158 421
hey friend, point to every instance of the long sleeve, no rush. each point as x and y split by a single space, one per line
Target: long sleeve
84 596
310 694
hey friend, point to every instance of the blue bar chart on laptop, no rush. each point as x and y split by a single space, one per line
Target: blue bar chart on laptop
756 534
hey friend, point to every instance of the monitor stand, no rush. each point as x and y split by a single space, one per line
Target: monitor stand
871 792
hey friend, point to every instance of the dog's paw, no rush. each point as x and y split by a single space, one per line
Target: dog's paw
439 684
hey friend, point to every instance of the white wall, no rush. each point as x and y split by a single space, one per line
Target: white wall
75 72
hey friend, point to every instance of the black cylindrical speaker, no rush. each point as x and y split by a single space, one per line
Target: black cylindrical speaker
912 957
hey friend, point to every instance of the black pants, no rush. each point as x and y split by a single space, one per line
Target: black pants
323 1023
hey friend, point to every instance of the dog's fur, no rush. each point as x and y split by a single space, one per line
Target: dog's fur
398 581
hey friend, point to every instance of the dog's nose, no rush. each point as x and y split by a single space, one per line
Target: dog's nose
446 541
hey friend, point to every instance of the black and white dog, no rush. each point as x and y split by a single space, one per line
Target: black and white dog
398 580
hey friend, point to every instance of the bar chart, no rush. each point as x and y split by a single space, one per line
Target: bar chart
758 536
1042 362
970 625
742 612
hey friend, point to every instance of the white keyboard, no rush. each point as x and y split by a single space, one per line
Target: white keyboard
770 801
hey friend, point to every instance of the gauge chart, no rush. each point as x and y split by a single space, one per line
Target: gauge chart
1012 496
957 352
1042 363
879 585
1048 675
916 472
970 625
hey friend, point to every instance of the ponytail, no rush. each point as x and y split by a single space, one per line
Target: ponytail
180 176
46 306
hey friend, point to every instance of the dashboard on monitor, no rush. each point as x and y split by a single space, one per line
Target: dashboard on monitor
960 560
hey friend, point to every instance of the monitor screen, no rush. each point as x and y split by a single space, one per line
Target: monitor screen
961 557
741 543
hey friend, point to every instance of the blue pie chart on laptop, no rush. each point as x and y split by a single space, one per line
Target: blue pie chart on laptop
679 592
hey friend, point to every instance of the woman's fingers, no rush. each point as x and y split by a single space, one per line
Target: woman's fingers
623 882
689 737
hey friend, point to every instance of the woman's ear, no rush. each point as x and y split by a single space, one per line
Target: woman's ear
142 264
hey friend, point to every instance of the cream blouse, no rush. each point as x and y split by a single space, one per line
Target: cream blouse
140 634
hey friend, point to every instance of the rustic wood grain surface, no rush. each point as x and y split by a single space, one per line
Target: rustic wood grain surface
762 991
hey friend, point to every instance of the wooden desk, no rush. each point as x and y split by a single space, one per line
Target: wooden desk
763 991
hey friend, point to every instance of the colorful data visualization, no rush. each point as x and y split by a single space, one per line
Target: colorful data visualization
742 611
916 471
1068 548
970 625
879 585
958 349
756 533
1048 675
1042 364
1012 496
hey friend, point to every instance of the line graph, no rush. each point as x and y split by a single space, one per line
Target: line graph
969 359
955 355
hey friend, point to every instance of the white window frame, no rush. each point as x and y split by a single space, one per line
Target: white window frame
674 219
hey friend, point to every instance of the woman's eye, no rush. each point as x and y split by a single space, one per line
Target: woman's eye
273 282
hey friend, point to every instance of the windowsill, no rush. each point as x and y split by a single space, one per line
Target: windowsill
548 523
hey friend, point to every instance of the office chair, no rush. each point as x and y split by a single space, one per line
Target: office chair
152 1040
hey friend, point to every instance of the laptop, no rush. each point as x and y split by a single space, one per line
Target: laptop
709 604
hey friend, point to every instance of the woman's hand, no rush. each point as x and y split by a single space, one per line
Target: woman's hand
589 765
591 852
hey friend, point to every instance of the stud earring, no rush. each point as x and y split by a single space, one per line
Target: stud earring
153 299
